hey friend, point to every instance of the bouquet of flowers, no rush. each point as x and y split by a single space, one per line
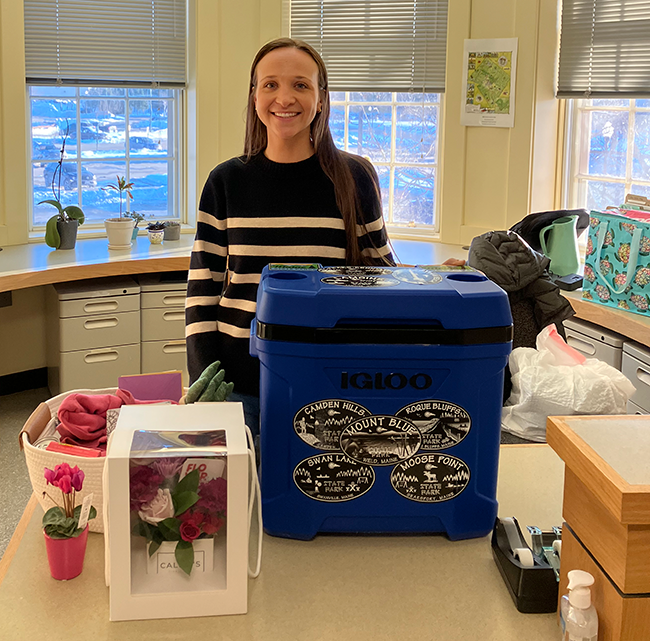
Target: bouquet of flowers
62 521
166 507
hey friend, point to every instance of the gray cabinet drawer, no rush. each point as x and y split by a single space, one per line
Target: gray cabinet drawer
99 331
100 305
163 356
151 300
161 324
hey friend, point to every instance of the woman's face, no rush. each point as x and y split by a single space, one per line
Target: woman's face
286 95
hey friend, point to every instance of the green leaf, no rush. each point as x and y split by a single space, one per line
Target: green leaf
54 516
54 203
52 238
172 524
143 529
189 483
169 533
153 547
184 554
75 213
184 501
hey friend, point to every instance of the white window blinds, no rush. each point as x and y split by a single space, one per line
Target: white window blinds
604 49
376 45
103 42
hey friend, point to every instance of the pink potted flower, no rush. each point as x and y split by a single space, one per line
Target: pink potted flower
65 540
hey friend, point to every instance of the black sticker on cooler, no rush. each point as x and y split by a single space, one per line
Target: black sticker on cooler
360 281
380 440
320 423
430 478
360 270
333 478
416 276
441 424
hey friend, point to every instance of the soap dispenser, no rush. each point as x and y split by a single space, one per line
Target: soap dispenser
578 615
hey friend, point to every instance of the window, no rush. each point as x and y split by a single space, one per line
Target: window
610 151
398 132
98 149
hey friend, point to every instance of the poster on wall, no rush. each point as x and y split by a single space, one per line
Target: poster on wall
489 71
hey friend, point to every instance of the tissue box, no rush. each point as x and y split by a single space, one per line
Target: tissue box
177 544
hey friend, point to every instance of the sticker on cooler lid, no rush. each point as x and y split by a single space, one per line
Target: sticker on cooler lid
441 424
333 478
294 266
416 276
319 424
380 440
360 270
360 281
430 478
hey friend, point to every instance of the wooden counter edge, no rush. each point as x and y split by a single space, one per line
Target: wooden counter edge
17 537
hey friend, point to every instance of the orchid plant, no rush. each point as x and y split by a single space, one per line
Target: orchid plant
170 508
62 521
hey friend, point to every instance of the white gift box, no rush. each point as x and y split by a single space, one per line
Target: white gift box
160 460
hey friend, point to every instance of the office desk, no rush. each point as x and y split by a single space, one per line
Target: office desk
359 588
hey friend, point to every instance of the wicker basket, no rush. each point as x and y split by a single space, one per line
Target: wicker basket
37 459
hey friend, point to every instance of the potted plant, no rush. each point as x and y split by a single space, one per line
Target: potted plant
64 527
61 229
172 230
138 218
156 232
120 230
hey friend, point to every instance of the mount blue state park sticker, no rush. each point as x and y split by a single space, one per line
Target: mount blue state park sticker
333 478
320 423
430 478
380 440
441 424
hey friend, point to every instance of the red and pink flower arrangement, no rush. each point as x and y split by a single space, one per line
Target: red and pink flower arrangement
170 508
62 521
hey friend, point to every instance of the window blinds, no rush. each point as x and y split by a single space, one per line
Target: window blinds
604 49
102 42
376 45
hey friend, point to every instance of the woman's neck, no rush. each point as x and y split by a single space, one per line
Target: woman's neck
287 151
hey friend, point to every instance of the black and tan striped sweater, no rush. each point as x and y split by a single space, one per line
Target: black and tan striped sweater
250 214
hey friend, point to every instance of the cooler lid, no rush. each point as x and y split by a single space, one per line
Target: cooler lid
595 331
97 288
163 281
368 304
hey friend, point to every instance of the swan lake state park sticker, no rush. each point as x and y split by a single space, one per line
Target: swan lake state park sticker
380 440
333 478
360 270
360 281
320 423
416 276
441 424
430 478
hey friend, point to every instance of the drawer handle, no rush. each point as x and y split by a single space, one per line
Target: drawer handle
174 317
175 300
581 346
643 376
101 306
101 357
100 323
178 347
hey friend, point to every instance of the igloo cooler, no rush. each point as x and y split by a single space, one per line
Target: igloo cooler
380 397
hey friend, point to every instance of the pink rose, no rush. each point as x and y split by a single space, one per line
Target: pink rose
189 531
161 507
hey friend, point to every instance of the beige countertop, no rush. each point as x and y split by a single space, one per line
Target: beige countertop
334 587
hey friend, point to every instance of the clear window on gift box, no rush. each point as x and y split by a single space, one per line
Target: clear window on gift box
178 487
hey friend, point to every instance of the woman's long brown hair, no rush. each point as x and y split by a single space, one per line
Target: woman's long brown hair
334 162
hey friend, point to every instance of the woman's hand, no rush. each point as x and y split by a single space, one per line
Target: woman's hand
456 262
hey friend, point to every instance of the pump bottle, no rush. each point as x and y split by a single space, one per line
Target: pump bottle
578 616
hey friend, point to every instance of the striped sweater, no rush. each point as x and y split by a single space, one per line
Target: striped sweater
250 214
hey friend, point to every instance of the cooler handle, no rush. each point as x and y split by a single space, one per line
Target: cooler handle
255 492
252 345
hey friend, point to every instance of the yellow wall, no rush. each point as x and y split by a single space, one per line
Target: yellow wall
490 178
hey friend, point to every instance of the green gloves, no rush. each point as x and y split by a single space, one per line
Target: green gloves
210 386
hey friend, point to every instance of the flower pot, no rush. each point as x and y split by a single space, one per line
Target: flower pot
134 235
119 232
68 232
156 236
172 231
66 556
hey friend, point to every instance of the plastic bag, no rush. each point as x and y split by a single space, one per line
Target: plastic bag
556 380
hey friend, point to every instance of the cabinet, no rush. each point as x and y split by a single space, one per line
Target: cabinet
162 314
636 366
93 333
594 341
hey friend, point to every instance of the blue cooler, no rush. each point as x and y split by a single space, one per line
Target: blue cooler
380 395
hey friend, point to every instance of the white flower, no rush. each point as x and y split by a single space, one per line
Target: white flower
161 507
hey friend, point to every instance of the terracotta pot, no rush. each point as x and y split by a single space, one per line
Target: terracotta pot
119 231
66 556
68 233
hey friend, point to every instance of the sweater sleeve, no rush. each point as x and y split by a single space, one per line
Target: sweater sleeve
206 278
372 235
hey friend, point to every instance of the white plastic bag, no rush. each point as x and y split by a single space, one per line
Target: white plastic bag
556 380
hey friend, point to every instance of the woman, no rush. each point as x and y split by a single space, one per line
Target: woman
292 197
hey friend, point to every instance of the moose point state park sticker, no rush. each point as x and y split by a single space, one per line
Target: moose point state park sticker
320 423
416 276
360 270
430 478
380 440
333 478
441 424
360 281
